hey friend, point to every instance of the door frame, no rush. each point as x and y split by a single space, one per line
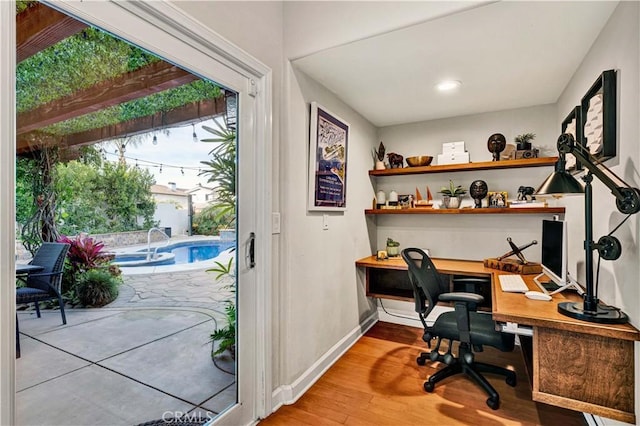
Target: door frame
172 28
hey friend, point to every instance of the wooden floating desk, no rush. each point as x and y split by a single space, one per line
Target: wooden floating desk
574 364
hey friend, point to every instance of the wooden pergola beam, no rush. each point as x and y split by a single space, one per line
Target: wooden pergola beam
190 113
40 26
146 81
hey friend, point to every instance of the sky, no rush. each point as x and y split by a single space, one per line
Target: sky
176 153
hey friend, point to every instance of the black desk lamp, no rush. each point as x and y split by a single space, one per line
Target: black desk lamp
609 248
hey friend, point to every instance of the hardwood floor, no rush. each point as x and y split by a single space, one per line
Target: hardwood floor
377 382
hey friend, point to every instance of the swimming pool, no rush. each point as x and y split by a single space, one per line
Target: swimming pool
196 251
176 253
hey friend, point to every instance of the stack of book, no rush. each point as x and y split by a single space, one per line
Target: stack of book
522 204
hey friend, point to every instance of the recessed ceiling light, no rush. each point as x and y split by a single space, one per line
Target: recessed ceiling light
448 85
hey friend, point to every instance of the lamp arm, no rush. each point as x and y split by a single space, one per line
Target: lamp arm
627 197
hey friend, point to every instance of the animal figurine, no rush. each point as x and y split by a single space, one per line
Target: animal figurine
525 193
395 160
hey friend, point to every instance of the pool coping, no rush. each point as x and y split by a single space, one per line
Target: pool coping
223 257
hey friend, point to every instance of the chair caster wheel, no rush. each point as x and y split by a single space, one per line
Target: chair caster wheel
420 360
428 386
511 380
494 404
448 358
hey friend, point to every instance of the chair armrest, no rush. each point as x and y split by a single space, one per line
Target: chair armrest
461 297
44 274
463 303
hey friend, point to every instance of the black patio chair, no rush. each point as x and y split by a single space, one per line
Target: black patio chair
45 285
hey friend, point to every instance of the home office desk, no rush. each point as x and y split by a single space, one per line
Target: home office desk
574 364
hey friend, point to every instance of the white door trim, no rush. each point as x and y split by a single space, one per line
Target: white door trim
168 20
7 211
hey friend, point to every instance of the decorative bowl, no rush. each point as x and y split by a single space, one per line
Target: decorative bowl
422 160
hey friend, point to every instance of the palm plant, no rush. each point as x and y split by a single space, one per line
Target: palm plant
222 169
226 336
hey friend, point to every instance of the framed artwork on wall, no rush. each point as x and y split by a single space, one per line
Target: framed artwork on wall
599 118
328 143
572 125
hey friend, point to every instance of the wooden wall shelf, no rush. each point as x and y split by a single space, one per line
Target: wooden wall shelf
483 165
532 210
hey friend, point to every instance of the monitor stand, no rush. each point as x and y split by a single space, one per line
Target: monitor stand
571 284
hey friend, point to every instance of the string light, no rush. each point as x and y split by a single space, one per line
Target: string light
195 137
160 168
155 140
151 164
182 171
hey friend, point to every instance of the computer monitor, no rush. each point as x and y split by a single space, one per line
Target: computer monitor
555 258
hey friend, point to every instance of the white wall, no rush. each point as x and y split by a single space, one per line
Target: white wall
322 299
617 47
467 237
170 215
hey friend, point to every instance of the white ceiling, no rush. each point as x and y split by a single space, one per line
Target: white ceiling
507 55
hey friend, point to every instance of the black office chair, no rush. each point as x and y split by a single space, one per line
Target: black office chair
464 324
45 285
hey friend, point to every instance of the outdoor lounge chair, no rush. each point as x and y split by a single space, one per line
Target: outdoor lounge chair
45 285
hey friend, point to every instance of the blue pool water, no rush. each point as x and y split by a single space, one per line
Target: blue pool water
196 251
178 253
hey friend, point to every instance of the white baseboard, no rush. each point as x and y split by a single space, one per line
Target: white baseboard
407 317
288 394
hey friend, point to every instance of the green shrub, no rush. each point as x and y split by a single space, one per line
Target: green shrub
97 287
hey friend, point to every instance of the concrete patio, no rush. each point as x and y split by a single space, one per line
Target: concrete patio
145 357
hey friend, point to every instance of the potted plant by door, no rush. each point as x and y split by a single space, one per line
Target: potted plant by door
452 195
393 248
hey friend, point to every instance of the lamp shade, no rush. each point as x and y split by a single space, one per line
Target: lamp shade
560 182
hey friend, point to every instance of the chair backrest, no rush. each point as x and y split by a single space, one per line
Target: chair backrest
424 278
51 257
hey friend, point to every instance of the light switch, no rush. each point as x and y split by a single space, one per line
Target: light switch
275 222
325 222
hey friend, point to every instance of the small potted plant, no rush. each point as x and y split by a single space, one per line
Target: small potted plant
378 157
393 248
523 141
451 195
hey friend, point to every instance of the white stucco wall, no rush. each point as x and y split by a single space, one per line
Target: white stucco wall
169 215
